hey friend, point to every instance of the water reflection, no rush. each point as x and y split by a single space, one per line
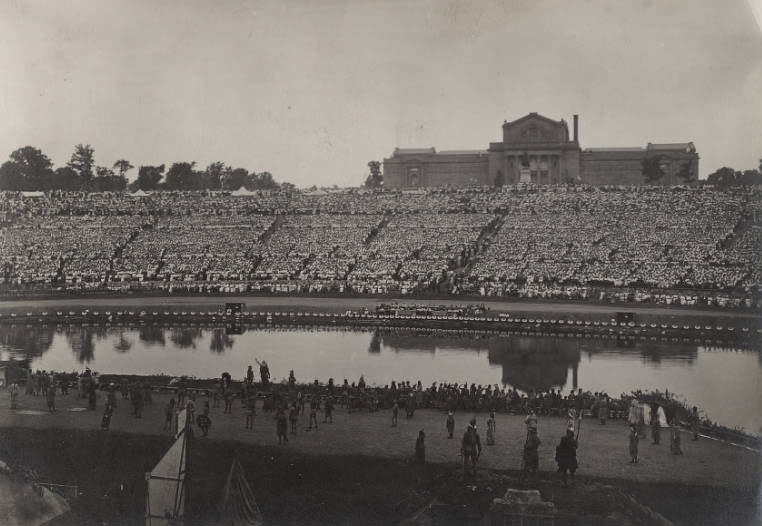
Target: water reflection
123 343
81 342
220 341
152 334
525 362
185 338
29 342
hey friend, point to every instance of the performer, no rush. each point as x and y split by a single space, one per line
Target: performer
293 414
675 438
328 410
420 448
14 392
251 411
655 426
281 426
314 408
531 457
491 429
603 409
471 448
450 424
634 439
566 456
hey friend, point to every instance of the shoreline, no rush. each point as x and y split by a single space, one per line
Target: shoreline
332 303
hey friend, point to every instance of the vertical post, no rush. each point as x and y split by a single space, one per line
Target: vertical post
576 128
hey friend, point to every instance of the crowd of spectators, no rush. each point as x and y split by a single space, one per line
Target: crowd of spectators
644 244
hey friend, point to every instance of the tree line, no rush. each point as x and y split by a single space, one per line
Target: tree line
726 177
29 169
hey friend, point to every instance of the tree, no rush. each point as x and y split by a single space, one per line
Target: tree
182 176
260 181
749 178
82 161
66 178
214 175
374 179
123 166
722 178
12 177
652 170
27 169
107 181
149 178
235 179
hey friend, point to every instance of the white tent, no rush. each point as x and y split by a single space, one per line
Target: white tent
242 191
139 193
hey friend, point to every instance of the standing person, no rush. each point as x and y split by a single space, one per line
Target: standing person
281 426
125 387
491 429
655 425
328 410
531 422
694 421
293 415
137 402
314 408
395 413
190 405
13 390
204 422
29 387
228 396
169 413
91 395
603 409
674 444
634 439
531 456
264 373
420 448
50 396
108 412
450 424
250 375
566 456
251 411
470 448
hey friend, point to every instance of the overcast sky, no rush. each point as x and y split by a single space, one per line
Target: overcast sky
312 90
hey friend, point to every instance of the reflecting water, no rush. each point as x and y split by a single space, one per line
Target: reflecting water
726 382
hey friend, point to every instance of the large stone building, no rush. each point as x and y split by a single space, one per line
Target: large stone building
538 150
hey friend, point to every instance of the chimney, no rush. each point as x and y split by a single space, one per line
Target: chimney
576 128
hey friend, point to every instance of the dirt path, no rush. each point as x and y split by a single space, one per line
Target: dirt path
333 304
602 451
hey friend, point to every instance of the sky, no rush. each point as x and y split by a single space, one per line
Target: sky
312 90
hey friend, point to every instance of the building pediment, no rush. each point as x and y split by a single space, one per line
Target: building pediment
535 129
